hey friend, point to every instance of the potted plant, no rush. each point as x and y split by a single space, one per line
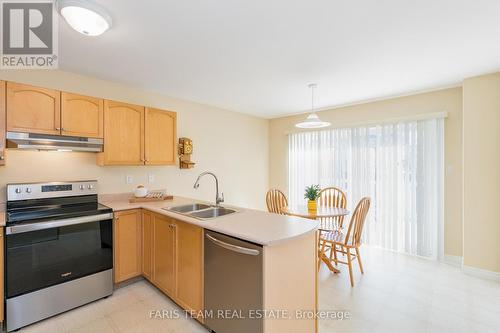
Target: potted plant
312 194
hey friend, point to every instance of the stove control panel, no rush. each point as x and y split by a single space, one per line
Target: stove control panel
28 191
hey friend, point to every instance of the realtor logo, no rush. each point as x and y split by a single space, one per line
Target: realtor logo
29 35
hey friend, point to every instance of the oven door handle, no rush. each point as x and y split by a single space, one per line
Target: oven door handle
18 229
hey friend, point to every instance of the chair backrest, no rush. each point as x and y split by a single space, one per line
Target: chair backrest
353 236
332 197
276 200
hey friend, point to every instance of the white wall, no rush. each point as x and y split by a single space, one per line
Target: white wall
233 145
481 153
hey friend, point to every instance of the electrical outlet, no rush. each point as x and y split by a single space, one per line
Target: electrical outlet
130 179
151 178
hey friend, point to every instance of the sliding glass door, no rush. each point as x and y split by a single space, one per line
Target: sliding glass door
400 166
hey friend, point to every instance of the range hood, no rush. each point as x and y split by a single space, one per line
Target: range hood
53 142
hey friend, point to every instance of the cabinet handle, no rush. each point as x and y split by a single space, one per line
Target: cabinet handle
58 128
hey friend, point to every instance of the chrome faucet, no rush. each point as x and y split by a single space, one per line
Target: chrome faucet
218 198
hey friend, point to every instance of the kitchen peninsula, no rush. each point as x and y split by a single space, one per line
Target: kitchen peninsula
167 249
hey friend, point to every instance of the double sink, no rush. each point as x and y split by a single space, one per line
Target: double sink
201 211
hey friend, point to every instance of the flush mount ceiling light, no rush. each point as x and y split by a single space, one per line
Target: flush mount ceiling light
86 17
312 120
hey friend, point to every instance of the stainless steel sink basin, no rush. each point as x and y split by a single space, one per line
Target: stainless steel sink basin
201 211
189 208
211 213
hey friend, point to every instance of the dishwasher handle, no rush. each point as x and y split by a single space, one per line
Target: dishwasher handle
234 248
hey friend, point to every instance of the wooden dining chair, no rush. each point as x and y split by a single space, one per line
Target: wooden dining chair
332 197
338 241
276 200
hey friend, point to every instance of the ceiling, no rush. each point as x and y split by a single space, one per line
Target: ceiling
258 56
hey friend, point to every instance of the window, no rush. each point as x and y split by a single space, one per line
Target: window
399 166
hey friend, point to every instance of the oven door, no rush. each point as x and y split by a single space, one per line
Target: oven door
44 254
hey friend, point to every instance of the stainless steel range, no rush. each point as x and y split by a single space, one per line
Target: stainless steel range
58 250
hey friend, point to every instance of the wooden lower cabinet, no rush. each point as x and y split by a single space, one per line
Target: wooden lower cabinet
147 244
127 244
189 293
173 258
164 254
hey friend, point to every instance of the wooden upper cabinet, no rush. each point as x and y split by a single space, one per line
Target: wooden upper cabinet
133 134
2 122
189 291
123 134
33 109
82 115
164 254
161 136
127 245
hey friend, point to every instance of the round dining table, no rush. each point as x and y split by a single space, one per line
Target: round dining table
318 214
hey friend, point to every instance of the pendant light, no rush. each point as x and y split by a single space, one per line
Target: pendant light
85 16
312 120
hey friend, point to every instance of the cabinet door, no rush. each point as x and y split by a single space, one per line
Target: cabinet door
32 109
127 245
123 134
189 266
160 137
147 245
81 115
164 254
2 122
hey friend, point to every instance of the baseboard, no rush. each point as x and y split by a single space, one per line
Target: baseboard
453 260
481 273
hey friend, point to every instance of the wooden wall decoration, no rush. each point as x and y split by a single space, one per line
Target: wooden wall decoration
185 150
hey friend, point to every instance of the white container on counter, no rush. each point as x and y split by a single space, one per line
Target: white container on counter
140 191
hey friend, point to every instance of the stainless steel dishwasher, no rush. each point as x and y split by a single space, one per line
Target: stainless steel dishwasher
233 284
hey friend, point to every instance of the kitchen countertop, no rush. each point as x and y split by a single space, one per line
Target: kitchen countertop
248 224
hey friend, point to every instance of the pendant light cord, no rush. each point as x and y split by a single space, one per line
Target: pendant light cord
312 98
312 86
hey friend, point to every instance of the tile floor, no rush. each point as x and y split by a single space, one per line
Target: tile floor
400 293
397 293
126 311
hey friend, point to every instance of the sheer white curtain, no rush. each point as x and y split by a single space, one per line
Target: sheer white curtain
400 166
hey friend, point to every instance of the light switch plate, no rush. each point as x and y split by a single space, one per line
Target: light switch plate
130 179
151 178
